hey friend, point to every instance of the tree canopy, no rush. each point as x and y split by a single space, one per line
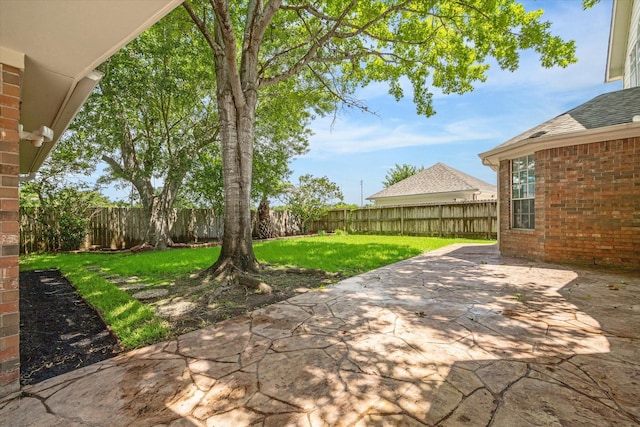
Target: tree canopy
311 198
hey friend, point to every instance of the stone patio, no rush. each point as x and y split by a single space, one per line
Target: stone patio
456 337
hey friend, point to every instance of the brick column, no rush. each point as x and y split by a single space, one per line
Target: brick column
10 81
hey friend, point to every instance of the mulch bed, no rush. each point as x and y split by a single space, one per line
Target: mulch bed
59 331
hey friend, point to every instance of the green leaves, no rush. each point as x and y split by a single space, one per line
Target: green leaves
312 197
152 109
399 173
442 44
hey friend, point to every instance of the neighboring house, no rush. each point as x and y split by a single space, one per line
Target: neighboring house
48 53
569 189
438 184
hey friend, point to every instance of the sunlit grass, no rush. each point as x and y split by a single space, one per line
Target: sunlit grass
135 324
154 267
349 254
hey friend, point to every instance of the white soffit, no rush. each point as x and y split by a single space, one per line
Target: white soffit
62 42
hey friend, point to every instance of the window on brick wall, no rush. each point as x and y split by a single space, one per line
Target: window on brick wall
523 190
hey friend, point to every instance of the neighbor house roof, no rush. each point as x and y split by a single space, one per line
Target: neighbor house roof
614 111
439 178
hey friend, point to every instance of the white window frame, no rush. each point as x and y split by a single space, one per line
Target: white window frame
522 183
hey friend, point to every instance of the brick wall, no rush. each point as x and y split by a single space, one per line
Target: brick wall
593 203
10 79
587 206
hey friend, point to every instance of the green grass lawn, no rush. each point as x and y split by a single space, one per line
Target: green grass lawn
135 324
349 254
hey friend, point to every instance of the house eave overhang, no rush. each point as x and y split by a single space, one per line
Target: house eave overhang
618 38
492 158
58 44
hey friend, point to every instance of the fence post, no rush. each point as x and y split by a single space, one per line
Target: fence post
490 220
401 221
440 220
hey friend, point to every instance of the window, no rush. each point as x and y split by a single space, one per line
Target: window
523 191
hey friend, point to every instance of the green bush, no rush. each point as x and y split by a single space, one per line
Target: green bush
73 230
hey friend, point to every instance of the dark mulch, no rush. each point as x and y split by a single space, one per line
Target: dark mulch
59 331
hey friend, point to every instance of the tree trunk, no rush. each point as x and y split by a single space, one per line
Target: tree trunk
160 218
158 208
158 211
237 129
264 228
236 66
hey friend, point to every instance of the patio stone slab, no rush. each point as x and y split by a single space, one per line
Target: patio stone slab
457 337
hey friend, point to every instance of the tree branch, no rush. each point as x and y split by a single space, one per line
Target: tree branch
202 26
227 35
308 57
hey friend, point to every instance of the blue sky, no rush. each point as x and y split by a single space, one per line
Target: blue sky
359 147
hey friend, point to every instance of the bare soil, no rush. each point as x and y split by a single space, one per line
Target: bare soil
196 302
60 332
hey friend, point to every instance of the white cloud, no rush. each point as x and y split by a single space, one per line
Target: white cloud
342 137
590 30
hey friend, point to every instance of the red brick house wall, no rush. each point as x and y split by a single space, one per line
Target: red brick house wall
10 82
587 206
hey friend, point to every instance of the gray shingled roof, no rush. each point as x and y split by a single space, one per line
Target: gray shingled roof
613 108
439 178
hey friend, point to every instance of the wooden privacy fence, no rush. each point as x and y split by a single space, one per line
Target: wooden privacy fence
471 219
123 228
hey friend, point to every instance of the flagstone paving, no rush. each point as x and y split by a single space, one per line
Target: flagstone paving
456 337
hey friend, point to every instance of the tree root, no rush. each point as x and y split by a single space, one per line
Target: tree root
228 274
253 283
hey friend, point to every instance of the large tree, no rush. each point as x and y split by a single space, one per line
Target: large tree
343 44
151 112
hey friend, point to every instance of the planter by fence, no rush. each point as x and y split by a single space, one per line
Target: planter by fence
473 219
